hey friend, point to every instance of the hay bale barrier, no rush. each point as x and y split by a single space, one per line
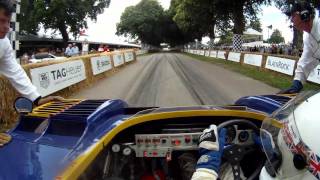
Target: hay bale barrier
8 116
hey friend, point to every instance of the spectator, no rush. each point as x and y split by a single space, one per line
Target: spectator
75 50
101 49
106 48
68 51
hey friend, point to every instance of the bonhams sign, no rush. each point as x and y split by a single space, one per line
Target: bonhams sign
50 79
100 64
128 56
285 66
118 60
253 59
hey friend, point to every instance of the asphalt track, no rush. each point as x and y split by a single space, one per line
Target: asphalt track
169 79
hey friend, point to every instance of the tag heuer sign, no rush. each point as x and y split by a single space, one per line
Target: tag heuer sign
100 64
44 80
50 79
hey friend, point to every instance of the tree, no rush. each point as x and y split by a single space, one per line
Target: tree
65 16
276 37
255 24
207 17
241 10
196 18
143 21
226 38
171 33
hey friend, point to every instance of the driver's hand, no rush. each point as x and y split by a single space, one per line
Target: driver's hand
49 99
4 139
210 150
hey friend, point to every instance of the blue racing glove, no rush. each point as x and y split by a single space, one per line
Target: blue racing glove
295 88
211 148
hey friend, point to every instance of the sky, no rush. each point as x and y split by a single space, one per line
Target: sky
270 15
104 29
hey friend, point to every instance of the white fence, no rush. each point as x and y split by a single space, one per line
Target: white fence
281 65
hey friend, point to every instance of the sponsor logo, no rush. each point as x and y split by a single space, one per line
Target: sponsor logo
65 72
101 64
44 80
279 65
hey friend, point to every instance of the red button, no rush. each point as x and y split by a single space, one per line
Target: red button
177 142
155 153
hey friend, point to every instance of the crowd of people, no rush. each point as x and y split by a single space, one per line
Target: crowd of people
276 49
70 51
272 49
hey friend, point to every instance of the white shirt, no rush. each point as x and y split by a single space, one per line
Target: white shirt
311 52
75 50
14 72
68 51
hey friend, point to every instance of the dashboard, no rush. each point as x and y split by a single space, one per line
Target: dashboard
164 149
163 144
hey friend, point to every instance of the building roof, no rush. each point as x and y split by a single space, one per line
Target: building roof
251 31
31 37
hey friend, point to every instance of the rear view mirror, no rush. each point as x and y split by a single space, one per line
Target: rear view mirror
23 105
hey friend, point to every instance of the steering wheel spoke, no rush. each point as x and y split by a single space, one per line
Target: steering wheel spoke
236 171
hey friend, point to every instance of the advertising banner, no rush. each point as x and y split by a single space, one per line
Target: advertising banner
315 75
128 56
207 53
50 79
100 64
221 54
234 56
118 60
253 59
213 54
285 66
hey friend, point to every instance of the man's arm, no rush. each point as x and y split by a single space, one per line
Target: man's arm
307 62
16 74
305 65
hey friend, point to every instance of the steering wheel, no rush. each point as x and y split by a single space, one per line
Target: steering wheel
234 153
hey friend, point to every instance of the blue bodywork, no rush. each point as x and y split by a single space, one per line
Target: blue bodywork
266 103
36 155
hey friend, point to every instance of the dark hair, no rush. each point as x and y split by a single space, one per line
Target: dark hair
7 6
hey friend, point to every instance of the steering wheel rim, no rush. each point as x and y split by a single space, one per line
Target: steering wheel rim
235 153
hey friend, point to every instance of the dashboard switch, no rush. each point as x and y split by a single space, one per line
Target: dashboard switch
148 141
187 139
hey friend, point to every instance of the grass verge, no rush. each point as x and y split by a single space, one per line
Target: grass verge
271 78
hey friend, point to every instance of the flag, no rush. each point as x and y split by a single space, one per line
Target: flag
314 166
270 27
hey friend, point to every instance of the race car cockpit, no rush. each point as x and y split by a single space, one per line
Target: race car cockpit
107 139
